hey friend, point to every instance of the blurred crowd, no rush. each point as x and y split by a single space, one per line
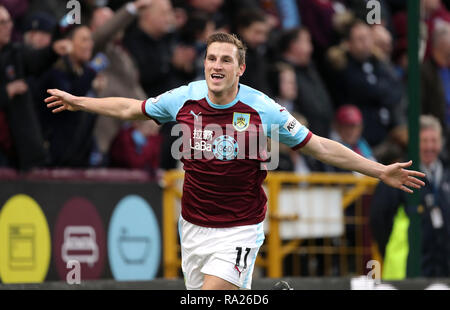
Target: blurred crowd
344 78
339 75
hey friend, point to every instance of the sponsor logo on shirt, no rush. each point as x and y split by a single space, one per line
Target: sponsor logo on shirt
199 136
292 125
225 148
195 115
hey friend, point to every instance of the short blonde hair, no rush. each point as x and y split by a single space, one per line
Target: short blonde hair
223 37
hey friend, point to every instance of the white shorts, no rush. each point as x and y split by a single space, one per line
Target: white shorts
227 253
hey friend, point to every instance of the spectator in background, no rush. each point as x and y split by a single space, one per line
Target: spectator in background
283 80
70 135
284 85
434 13
319 17
197 29
252 28
289 14
272 12
400 42
120 75
400 58
313 99
280 14
394 57
370 84
38 31
17 10
137 147
434 210
212 8
56 8
348 128
435 81
162 64
382 43
19 123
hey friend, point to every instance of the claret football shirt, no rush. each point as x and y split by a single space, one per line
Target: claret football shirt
224 150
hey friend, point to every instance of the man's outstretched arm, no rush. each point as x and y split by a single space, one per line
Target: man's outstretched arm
336 154
123 108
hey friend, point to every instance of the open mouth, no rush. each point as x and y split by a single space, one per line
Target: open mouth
217 76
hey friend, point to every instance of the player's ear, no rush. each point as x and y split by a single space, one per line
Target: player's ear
241 69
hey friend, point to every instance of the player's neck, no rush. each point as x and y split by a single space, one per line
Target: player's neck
224 97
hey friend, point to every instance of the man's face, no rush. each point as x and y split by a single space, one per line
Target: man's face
158 17
431 5
255 34
361 42
350 133
82 45
37 39
6 26
100 17
222 69
288 85
382 39
302 48
430 146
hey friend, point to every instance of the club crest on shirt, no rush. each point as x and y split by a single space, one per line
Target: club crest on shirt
241 121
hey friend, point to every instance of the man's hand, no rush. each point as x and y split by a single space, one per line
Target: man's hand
61 101
119 107
397 176
62 47
17 87
336 154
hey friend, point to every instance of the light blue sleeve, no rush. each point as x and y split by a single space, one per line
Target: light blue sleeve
280 125
164 108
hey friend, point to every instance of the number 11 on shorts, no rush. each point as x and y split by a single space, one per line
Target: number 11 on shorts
238 258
